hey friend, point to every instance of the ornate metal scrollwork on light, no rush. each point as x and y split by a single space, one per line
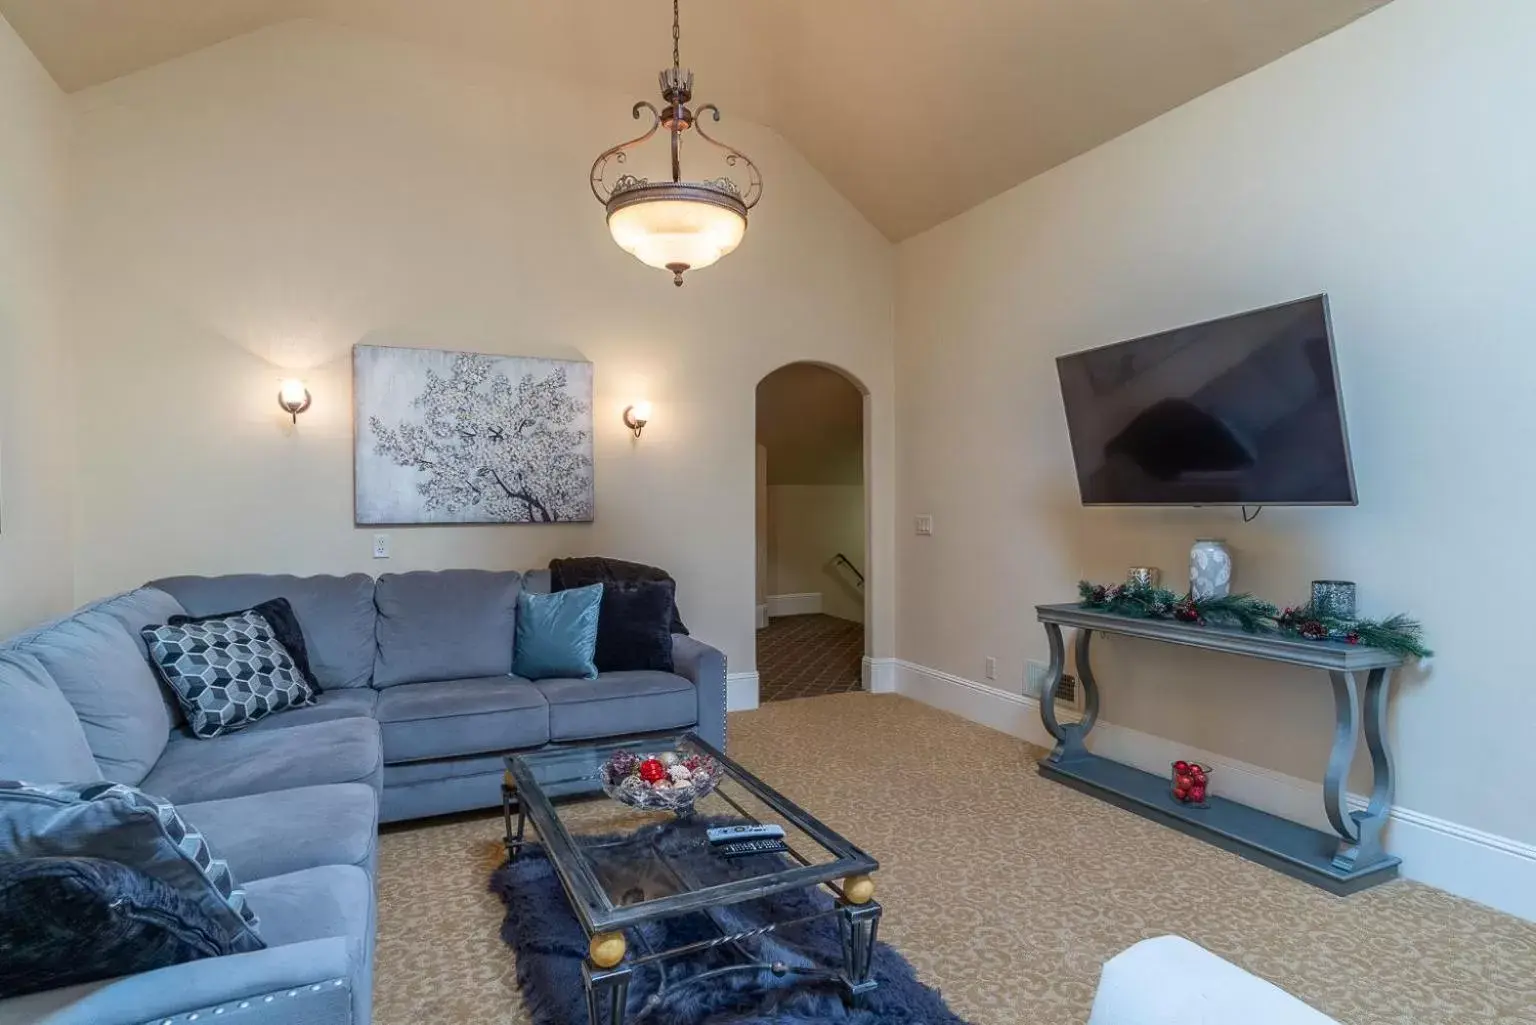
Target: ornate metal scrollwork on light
676 225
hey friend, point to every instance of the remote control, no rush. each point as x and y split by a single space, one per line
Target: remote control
727 834
740 848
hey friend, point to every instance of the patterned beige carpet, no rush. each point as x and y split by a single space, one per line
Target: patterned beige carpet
1005 890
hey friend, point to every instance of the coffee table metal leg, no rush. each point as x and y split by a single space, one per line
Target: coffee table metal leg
510 805
607 993
859 924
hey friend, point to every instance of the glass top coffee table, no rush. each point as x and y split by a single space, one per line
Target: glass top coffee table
655 865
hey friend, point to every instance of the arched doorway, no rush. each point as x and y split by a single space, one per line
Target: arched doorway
812 533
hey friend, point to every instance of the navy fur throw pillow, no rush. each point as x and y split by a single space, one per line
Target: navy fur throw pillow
65 921
285 627
634 626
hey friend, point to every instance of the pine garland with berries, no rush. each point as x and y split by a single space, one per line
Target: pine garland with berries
1399 634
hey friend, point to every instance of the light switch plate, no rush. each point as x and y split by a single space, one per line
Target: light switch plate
925 525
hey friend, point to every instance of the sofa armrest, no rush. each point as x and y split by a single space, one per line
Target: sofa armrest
1171 981
704 666
309 983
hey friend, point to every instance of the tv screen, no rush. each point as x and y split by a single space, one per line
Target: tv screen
1239 411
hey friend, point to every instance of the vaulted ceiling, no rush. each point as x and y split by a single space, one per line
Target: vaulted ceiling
914 109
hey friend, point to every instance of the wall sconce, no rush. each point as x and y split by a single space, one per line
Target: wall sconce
293 397
637 416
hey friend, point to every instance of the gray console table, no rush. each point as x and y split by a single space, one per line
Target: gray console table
1351 860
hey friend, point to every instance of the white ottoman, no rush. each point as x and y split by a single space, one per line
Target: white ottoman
1171 981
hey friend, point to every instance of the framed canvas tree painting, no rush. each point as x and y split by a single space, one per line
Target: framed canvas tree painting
463 437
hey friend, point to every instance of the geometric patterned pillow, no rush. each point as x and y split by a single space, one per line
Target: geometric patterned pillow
117 822
227 673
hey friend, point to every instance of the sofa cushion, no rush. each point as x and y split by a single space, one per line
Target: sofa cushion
351 703
453 624
101 669
314 903
65 921
264 835
618 703
557 634
336 615
339 751
136 609
461 717
41 738
227 673
121 823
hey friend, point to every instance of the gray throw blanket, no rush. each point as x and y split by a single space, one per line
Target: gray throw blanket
565 574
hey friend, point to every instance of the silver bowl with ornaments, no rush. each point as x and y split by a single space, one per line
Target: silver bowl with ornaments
664 781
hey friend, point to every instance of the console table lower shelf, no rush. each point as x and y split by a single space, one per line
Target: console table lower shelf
1349 859
1281 844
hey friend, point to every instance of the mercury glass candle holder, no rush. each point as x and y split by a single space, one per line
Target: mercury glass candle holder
1334 598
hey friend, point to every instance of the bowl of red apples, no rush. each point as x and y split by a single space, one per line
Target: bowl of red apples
1189 783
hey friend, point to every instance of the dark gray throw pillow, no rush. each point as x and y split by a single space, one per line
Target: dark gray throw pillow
634 626
285 627
65 921
226 673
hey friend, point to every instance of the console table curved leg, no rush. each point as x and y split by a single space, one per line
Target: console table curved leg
1346 726
1369 823
1069 736
1359 831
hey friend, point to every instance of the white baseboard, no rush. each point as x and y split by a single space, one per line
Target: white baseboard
794 604
1490 869
740 692
879 675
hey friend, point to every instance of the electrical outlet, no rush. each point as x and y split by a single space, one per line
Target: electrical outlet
991 668
925 525
381 546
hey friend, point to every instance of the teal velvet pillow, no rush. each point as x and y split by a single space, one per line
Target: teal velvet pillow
557 634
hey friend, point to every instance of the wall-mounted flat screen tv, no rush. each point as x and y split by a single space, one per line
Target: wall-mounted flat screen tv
1245 410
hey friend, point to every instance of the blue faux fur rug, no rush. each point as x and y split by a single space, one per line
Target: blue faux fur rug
550 946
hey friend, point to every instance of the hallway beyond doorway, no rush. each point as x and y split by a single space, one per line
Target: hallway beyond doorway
808 656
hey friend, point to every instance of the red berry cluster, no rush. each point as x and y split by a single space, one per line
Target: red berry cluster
1189 782
1187 611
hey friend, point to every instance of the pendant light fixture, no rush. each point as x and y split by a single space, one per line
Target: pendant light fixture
676 225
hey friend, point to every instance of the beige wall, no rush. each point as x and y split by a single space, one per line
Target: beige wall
35 424
808 525
255 209
1391 165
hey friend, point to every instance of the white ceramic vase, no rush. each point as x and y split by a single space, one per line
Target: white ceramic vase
1210 569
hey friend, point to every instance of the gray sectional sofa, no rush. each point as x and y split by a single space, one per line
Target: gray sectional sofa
418 708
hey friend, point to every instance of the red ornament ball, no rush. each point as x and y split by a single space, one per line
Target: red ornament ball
1197 794
652 771
1181 767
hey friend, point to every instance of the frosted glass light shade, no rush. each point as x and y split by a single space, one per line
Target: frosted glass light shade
677 227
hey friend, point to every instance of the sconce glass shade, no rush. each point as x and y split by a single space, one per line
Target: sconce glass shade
293 397
677 226
292 393
636 416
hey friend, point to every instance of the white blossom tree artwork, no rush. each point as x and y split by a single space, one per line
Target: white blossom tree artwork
460 437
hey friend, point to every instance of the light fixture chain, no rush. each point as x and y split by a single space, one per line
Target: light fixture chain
677 35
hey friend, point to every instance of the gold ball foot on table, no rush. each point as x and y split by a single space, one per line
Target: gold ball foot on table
606 949
507 781
858 889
